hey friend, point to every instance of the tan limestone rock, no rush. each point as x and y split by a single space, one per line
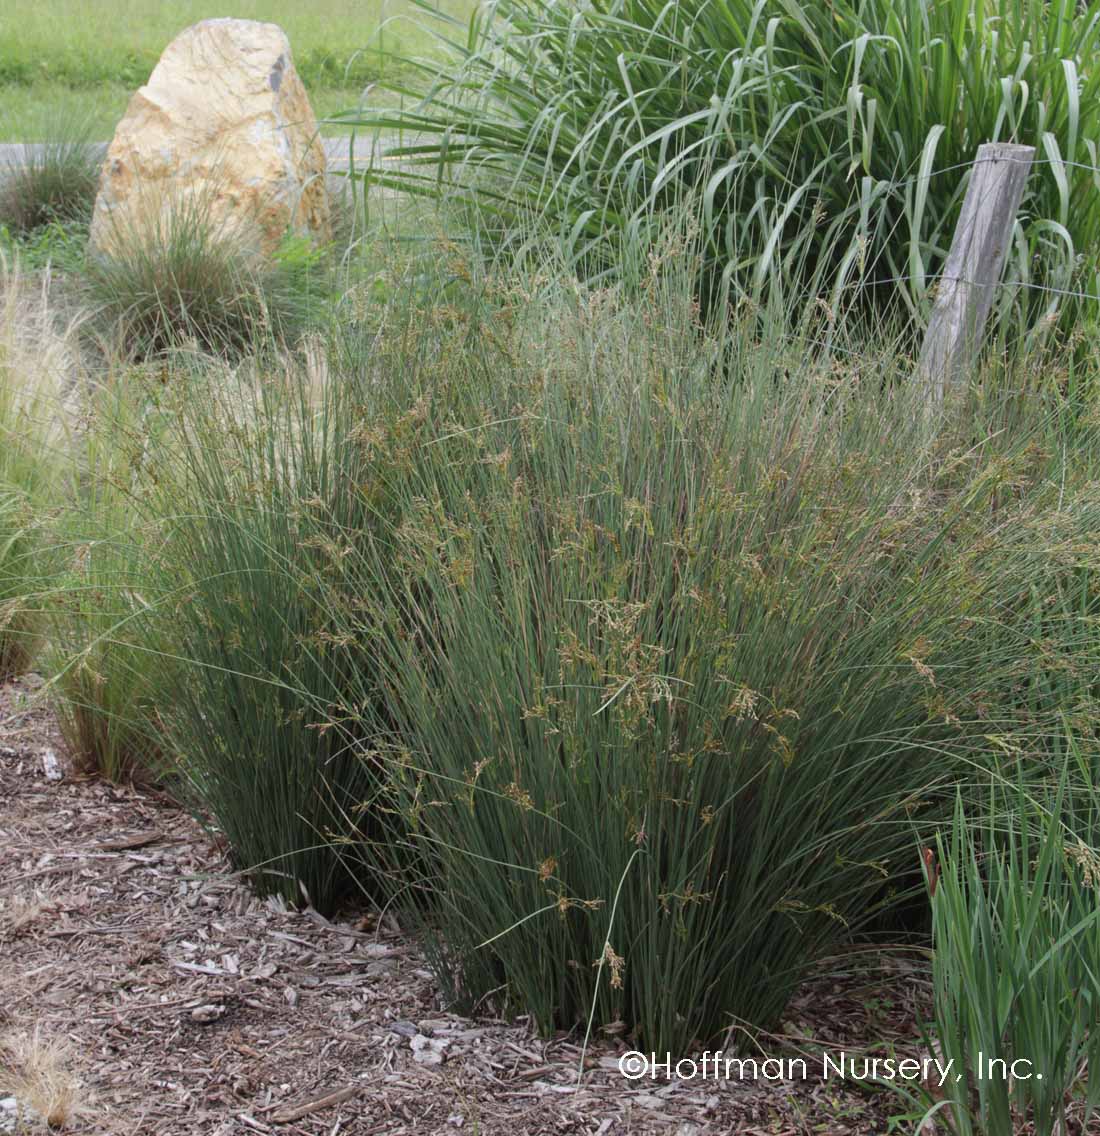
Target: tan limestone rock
223 124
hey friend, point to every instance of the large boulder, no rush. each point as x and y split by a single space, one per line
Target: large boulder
223 125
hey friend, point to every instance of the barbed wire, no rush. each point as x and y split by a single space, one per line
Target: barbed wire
884 281
1012 282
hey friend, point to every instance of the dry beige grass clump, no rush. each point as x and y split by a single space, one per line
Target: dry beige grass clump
37 1070
38 364
39 355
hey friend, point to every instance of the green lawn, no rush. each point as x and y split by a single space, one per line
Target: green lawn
81 59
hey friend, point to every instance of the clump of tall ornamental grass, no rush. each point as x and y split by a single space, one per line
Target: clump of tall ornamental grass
190 276
674 638
50 182
1016 937
628 652
824 140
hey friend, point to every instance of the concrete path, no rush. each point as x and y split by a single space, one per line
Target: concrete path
16 153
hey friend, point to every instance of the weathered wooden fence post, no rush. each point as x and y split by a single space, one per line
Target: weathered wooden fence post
964 295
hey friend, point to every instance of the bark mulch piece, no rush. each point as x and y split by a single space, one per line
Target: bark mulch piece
192 1007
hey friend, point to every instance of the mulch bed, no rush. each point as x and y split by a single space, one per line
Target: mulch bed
191 1006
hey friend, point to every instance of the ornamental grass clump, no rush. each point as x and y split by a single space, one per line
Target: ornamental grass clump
1016 937
675 637
826 140
50 182
626 652
188 276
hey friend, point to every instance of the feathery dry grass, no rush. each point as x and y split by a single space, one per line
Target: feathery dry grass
37 1070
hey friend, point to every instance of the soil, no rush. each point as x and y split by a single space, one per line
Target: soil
188 1005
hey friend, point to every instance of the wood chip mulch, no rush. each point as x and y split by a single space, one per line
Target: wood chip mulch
190 1006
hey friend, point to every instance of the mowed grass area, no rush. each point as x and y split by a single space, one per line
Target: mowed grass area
62 60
